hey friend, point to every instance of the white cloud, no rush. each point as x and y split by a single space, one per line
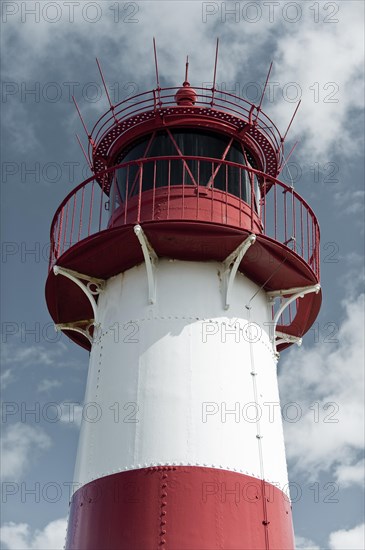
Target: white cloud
353 279
350 474
46 385
328 55
24 355
19 536
20 443
351 204
351 539
301 543
328 383
71 414
28 355
12 118
305 52
6 378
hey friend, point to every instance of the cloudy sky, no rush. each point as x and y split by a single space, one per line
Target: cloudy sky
49 51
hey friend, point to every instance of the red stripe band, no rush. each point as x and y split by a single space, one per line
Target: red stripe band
179 508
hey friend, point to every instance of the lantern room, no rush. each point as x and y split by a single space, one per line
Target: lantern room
196 170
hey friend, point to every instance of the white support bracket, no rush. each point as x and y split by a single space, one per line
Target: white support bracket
283 338
294 294
299 289
78 327
87 289
151 260
230 266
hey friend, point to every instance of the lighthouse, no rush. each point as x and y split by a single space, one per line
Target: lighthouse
184 266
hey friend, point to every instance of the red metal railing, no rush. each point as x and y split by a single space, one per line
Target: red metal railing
281 214
143 104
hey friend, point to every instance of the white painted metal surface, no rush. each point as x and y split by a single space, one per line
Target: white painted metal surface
178 381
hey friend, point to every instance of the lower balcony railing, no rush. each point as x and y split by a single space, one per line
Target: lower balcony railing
187 188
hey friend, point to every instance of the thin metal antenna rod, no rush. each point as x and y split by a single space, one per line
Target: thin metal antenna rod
291 152
267 280
215 71
263 92
156 64
187 69
285 161
106 90
85 155
82 120
291 121
157 75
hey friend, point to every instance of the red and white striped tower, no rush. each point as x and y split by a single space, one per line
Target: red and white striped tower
184 265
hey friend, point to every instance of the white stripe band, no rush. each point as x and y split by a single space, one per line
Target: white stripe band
175 382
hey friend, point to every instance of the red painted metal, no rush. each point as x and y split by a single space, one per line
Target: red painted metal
291 120
82 122
66 223
73 218
91 209
180 508
157 78
186 95
268 224
285 161
182 157
263 91
214 109
84 153
215 72
195 204
115 250
81 212
106 90
225 152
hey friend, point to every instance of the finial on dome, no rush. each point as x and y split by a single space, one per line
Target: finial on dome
186 71
186 95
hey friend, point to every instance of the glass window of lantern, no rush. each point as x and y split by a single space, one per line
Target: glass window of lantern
166 172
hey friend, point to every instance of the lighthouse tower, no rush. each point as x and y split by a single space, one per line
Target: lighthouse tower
185 266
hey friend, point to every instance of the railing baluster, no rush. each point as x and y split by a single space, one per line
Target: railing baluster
153 188
318 253
313 247
294 221
183 192
140 166
91 208
252 197
308 248
55 237
198 191
60 234
226 217
285 219
212 195
275 211
168 188
51 252
301 231
81 212
126 196
73 217
65 231
240 196
101 201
